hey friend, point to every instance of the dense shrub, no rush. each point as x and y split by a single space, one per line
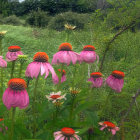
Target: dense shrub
71 18
14 20
38 18
1 19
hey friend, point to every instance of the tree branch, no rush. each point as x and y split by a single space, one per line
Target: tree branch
112 40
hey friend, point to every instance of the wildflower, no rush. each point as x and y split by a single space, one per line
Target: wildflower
65 134
16 95
2 33
96 79
88 54
74 91
115 80
111 127
13 52
41 65
63 76
55 97
69 27
3 63
65 55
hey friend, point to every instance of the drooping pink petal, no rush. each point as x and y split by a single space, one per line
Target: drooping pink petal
11 56
102 128
88 56
33 69
113 131
117 128
74 57
3 63
57 133
77 137
13 98
63 78
54 76
57 137
96 82
115 83
65 57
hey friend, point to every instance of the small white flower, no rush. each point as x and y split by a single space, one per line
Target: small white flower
54 97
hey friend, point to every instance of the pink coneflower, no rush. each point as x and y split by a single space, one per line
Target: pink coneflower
63 75
66 133
54 97
65 55
111 127
88 54
13 52
96 79
115 80
3 63
42 66
16 95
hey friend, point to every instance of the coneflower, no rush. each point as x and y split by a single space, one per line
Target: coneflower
40 65
96 79
13 52
16 95
65 134
115 80
88 54
110 126
65 55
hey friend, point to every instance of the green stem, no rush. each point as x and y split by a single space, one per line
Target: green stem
0 46
72 109
20 69
34 109
12 70
12 123
60 76
67 35
28 82
1 80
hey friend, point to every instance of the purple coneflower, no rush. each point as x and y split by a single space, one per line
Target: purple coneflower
66 133
115 80
88 54
111 127
3 63
42 66
16 95
96 79
65 55
13 52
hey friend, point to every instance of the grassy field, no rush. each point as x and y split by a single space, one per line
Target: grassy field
123 55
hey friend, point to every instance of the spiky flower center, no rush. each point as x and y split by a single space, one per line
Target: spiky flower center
17 84
55 97
67 131
109 124
41 57
88 48
118 74
96 74
14 48
63 71
65 47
